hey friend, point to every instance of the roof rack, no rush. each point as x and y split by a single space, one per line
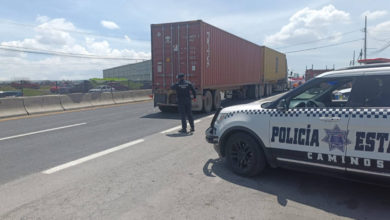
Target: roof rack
366 66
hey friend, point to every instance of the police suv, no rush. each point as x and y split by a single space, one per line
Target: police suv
338 123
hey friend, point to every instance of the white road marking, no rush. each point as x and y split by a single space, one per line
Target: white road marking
91 157
210 116
41 131
178 127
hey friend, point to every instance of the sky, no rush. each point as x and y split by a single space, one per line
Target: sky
77 39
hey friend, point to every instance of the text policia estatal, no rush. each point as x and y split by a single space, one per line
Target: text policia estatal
364 141
300 136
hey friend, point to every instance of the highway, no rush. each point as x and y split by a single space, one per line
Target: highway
129 162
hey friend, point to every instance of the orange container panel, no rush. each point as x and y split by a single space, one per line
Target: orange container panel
208 56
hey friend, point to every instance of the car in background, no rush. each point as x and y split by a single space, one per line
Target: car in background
102 88
10 94
80 87
25 84
117 86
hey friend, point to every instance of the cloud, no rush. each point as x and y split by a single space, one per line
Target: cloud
381 41
308 25
127 38
63 36
109 24
374 15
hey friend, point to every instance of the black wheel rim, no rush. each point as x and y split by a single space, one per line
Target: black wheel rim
241 155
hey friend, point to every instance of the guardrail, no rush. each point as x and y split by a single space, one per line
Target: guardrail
19 106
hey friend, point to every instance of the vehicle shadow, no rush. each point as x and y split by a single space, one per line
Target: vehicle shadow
197 115
341 197
179 134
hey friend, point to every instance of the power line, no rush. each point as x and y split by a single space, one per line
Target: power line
315 41
59 53
381 49
329 45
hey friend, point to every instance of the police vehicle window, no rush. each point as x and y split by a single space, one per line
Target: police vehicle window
328 93
372 91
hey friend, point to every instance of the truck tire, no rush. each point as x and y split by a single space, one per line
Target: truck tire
167 108
251 92
207 101
244 155
259 88
216 99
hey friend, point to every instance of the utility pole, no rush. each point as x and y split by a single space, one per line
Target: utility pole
353 60
365 37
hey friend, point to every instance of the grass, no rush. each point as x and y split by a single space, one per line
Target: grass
43 90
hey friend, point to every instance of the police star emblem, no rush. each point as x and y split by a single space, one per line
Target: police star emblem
336 138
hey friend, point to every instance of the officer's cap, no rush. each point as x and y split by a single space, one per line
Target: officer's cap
180 75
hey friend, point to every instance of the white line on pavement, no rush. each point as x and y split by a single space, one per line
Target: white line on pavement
177 127
91 157
41 131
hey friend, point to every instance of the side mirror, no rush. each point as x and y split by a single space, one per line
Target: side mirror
265 104
282 105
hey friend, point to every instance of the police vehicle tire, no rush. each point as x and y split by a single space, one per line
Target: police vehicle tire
244 155
207 101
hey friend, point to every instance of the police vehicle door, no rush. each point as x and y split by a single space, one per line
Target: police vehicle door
313 131
369 127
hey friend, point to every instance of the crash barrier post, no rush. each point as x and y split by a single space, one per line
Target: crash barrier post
12 107
42 104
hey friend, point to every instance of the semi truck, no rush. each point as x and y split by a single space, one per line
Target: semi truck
215 61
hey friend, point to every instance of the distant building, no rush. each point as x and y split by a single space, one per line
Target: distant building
141 71
311 73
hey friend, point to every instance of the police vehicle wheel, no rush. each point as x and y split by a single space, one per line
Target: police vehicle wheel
244 155
207 102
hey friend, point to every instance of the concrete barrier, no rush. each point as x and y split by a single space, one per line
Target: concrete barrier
141 95
99 99
76 101
42 104
12 107
131 96
122 97
53 103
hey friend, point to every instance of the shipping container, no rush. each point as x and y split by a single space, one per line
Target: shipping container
275 70
212 59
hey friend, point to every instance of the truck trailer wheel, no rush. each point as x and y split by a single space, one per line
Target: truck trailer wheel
253 92
207 101
244 155
167 108
216 99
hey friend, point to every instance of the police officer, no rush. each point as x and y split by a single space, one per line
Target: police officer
183 88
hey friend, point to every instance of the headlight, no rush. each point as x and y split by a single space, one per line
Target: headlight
220 117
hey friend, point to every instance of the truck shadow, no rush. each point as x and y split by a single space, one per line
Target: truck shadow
336 196
197 115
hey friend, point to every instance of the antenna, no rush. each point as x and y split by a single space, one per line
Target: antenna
365 37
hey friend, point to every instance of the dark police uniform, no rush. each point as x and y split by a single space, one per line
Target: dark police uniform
183 88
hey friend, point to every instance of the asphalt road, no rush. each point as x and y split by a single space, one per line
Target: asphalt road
126 163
